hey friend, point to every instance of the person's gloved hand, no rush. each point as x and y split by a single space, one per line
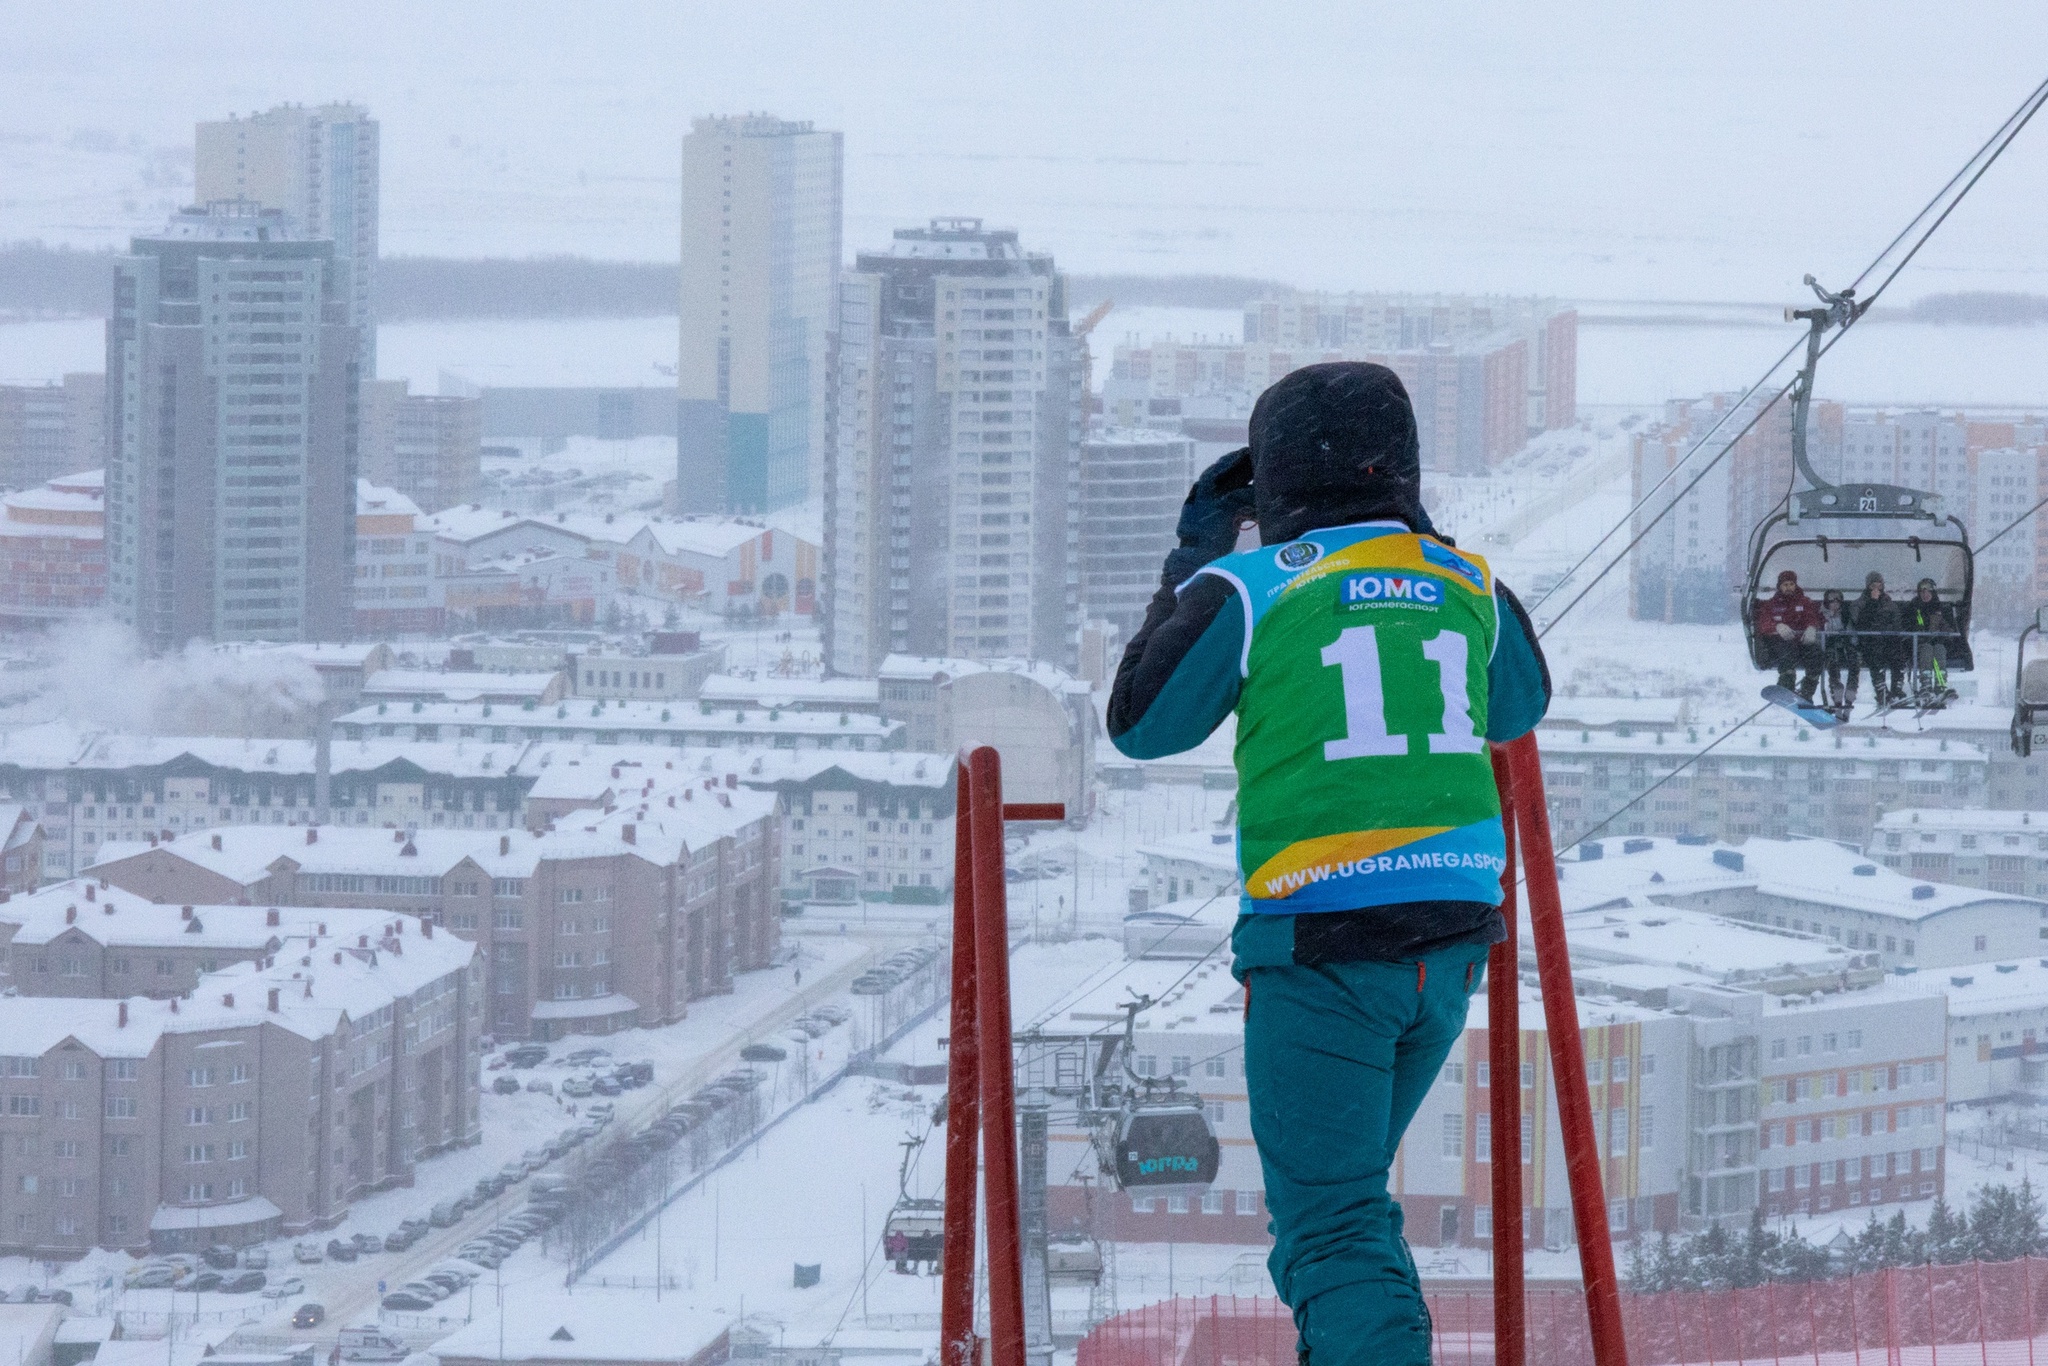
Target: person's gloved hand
1808 636
1220 499
1784 631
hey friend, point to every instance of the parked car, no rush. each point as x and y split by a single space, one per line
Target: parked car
430 1291
443 1215
577 1087
505 1086
339 1251
241 1282
284 1289
446 1279
585 1055
370 1344
601 1112
526 1055
368 1242
486 1256
541 1086
203 1282
306 1254
606 1086
763 1052
220 1257
402 1302
256 1258
162 1273
309 1315
57 1296
398 1240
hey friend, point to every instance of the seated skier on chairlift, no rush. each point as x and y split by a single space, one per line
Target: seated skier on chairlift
1788 628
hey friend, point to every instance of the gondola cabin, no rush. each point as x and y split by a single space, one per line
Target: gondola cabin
1167 1144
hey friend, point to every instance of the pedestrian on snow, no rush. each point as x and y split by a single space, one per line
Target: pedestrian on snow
1879 642
1368 662
1788 634
1838 646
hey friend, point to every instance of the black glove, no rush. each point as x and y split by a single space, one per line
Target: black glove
1219 500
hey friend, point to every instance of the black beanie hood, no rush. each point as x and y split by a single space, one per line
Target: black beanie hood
1334 444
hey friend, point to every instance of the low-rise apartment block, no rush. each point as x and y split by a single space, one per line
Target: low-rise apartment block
610 919
321 1057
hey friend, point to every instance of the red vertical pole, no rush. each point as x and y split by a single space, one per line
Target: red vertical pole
963 1098
1504 1100
2027 1294
998 1073
1567 1056
1983 1336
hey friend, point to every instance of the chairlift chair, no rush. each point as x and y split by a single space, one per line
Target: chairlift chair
915 1231
1073 1259
915 1234
1823 560
2030 688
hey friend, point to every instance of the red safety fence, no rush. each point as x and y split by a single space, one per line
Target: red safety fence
1972 1314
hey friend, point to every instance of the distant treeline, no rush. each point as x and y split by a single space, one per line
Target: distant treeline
1168 291
35 279
39 279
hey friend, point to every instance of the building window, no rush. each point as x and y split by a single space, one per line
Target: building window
1176 1204
1247 1202
1141 1204
1454 1134
1482 1221
1212 1202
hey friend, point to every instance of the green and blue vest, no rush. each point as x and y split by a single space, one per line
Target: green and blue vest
1363 774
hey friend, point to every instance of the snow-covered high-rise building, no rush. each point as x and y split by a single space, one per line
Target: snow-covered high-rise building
951 521
761 234
231 433
319 166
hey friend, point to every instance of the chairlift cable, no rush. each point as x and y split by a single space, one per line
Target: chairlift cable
2010 525
1997 144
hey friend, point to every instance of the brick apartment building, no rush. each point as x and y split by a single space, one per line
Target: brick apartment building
283 1063
613 918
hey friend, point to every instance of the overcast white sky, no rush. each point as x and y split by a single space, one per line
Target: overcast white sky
1595 149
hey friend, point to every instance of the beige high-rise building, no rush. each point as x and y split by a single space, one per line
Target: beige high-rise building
760 280
952 520
319 166
427 446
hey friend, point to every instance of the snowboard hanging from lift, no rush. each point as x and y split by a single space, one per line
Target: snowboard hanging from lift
1812 713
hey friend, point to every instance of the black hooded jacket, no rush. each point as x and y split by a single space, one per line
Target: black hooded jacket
1331 445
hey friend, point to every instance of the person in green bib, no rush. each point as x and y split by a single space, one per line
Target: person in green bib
1369 663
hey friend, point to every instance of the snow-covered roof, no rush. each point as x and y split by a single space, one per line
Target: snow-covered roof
375 500
1970 820
576 769
929 668
819 694
457 686
1815 871
1759 743
1211 848
1705 946
647 717
590 1326
248 852
1602 712
247 1211
713 538
584 1008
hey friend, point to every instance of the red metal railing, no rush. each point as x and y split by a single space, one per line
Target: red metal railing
1979 1313
981 1101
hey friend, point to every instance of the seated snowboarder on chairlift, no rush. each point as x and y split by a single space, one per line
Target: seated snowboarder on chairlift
1369 663
1788 634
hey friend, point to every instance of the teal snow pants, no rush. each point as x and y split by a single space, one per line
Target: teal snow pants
1337 1058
